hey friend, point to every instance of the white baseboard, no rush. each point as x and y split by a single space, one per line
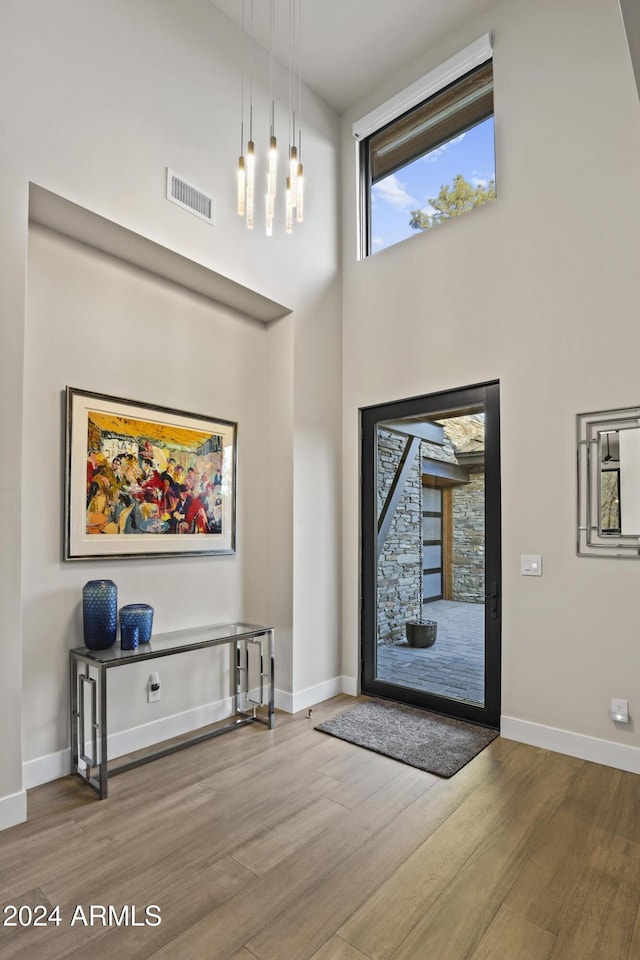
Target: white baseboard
43 769
13 809
136 738
606 752
350 686
55 765
294 702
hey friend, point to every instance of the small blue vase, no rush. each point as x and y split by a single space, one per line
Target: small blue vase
129 636
99 614
138 615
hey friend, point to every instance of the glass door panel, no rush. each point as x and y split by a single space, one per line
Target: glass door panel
427 562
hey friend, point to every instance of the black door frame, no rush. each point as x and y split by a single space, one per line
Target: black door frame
489 394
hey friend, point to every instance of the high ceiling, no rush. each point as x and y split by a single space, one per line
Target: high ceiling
348 44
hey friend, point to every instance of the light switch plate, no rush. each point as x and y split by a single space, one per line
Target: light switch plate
531 565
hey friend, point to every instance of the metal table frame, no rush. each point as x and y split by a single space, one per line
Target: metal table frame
243 636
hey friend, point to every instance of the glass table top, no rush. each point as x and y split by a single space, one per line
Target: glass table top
177 641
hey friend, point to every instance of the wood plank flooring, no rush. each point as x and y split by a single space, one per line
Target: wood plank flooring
293 845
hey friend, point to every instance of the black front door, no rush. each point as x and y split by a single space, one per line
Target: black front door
431 566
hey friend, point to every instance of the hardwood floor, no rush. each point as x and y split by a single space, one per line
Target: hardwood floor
293 845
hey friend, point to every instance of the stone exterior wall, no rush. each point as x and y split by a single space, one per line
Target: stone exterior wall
468 539
399 569
444 453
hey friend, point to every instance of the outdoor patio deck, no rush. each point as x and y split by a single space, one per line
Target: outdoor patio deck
453 666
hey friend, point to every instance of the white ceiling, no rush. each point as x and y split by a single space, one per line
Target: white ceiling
347 45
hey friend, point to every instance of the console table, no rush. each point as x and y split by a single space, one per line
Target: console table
252 670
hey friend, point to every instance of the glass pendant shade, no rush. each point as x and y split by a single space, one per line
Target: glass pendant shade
300 195
272 173
242 186
288 208
268 218
251 183
273 169
293 174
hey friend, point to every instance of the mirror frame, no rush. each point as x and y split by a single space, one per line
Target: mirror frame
591 541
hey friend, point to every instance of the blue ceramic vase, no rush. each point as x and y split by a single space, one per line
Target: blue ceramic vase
99 614
137 615
129 636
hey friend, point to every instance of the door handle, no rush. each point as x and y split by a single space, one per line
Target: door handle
493 597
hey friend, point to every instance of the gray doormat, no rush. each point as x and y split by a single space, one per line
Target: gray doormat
425 740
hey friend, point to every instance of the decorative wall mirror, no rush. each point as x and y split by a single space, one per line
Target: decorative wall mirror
609 483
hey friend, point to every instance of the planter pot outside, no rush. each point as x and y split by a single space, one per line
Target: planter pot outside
421 633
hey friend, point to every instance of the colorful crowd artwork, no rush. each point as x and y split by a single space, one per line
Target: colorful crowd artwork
152 478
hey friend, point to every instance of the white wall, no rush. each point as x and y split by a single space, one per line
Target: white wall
95 323
539 290
99 99
317 471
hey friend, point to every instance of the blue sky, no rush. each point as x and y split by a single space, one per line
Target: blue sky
472 154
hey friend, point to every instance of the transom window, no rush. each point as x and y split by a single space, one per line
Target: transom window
432 162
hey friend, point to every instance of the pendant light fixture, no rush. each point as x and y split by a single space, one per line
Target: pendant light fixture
272 174
242 172
246 163
291 194
294 194
251 160
299 172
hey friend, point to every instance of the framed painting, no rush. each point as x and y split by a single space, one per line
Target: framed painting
146 481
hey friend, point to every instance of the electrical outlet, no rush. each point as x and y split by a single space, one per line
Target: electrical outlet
619 710
153 688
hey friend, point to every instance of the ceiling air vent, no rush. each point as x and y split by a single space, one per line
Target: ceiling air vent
190 197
